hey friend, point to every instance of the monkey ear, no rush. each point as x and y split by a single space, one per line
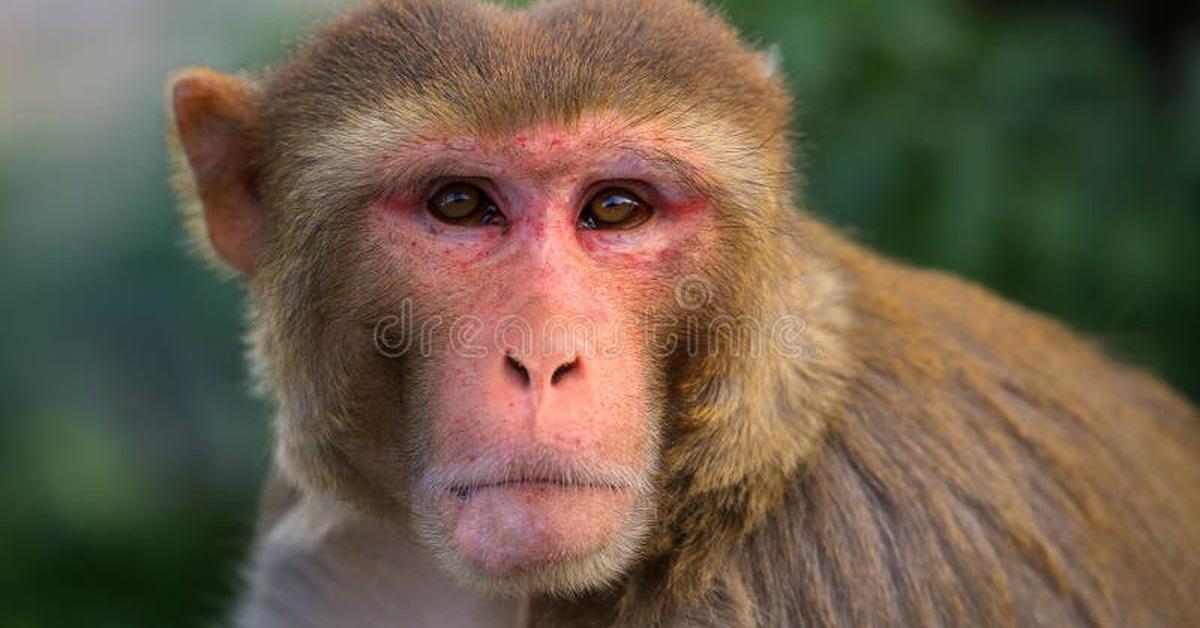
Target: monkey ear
214 141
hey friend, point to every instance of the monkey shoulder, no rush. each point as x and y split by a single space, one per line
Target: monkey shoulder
989 464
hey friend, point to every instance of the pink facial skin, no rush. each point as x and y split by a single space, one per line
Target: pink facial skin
542 433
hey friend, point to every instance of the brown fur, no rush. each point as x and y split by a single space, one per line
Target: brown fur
939 457
989 469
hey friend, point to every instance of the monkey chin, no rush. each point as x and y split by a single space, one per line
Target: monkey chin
535 537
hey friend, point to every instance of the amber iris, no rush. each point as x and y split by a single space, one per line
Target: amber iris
614 208
464 204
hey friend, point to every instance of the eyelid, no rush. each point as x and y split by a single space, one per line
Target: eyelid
434 185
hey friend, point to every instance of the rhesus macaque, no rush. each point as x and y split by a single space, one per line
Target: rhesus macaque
552 344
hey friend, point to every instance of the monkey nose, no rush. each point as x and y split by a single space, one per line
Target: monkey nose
529 371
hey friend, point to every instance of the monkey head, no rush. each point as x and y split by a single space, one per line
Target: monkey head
478 244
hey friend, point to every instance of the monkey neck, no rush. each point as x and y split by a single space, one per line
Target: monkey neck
369 571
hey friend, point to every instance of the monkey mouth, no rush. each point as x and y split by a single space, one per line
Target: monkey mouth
463 491
532 470
505 517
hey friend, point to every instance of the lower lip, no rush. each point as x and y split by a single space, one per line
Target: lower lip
506 528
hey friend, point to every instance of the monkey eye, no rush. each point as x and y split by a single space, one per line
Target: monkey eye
614 209
465 204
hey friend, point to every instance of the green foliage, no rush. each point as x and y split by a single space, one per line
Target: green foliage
1036 154
1039 153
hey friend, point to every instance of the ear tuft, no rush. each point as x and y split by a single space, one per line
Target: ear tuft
772 61
214 141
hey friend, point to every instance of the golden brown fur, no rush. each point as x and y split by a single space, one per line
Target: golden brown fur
987 468
936 456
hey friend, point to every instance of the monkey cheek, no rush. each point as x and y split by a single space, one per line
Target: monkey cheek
502 530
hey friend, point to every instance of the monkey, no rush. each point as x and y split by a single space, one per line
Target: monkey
739 417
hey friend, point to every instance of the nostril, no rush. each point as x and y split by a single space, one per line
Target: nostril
515 366
562 371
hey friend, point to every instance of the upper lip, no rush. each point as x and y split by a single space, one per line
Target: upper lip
466 488
535 466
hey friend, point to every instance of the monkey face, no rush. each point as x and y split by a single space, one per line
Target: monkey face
470 271
533 279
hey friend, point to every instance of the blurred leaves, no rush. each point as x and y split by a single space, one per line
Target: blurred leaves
1032 151
1039 151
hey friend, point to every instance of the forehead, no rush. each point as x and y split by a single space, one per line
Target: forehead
548 150
495 70
547 157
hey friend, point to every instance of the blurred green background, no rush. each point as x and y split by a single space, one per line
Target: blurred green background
1049 150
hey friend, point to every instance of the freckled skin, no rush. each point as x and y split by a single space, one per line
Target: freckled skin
538 266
